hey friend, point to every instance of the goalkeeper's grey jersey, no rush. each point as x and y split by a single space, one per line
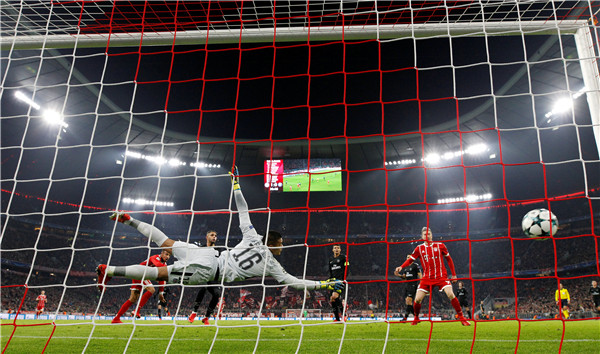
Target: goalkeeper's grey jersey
250 258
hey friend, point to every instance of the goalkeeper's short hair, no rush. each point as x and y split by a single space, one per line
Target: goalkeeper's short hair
273 237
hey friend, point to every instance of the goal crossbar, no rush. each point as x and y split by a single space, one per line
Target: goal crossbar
290 34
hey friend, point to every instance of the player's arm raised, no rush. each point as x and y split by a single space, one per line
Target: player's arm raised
406 263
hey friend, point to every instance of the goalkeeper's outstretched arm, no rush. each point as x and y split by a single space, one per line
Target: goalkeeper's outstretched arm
283 277
241 204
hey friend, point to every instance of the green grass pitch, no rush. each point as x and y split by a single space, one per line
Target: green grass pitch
313 337
319 182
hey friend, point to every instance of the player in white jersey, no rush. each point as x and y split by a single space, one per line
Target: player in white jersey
199 265
252 258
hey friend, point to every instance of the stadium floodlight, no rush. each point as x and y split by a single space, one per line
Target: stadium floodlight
176 162
23 98
432 158
469 198
55 118
133 154
476 149
564 104
142 201
401 162
171 162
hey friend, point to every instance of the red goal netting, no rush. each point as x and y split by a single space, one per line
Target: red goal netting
353 123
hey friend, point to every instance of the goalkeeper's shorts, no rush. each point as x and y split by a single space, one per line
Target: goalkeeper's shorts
195 265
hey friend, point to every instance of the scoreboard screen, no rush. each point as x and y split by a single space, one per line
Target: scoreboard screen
295 175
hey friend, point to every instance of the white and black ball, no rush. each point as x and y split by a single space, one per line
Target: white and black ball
540 223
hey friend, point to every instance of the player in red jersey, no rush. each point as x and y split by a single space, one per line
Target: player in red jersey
158 260
432 256
41 299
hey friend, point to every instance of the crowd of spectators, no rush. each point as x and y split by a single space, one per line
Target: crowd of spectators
504 269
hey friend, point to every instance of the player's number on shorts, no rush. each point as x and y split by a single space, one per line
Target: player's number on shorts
247 262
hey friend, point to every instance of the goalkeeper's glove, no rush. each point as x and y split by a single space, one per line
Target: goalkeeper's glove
333 285
120 216
235 178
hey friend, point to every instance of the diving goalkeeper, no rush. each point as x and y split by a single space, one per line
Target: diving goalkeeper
252 257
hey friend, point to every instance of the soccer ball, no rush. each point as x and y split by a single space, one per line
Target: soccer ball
538 222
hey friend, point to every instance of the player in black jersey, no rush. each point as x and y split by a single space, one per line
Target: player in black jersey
337 270
214 290
595 292
162 305
463 298
412 272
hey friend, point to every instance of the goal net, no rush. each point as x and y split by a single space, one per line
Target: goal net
303 313
353 123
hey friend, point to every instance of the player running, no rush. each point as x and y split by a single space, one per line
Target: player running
41 299
215 290
434 273
412 273
463 297
337 270
162 303
252 257
157 260
595 292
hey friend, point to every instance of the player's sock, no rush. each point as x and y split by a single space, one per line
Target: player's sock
159 313
409 310
133 272
469 313
457 307
150 231
143 301
211 306
123 309
416 309
336 311
340 306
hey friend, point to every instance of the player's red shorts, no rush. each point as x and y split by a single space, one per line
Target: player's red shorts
135 286
427 285
40 308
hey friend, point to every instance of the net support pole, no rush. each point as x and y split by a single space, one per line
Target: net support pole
591 78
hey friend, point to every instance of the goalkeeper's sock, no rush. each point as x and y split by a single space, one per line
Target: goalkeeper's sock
151 232
416 309
469 313
144 300
457 308
123 309
159 313
409 310
133 272
336 311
